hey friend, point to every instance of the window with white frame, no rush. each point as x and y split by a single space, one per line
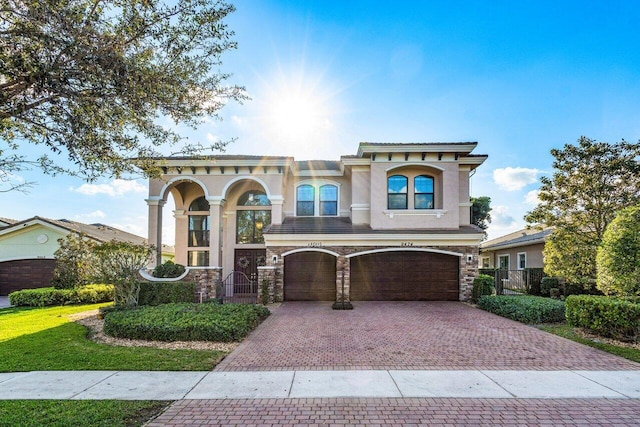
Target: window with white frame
317 200
503 262
522 260
486 262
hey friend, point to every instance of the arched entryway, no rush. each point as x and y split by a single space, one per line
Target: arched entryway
310 276
404 276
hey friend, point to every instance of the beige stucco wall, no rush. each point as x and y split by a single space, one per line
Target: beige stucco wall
24 243
446 183
534 256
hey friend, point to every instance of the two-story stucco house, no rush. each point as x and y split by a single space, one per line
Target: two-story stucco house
389 223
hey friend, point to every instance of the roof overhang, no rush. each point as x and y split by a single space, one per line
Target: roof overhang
379 239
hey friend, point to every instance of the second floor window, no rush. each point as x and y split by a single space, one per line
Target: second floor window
423 192
328 200
198 235
305 200
397 192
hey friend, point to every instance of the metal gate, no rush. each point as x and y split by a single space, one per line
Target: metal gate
238 288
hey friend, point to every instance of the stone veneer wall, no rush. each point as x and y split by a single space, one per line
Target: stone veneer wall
205 280
468 271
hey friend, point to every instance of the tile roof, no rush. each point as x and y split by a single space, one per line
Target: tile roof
343 225
523 237
319 165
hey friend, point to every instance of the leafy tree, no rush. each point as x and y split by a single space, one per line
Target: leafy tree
590 183
74 262
480 208
90 79
119 263
618 259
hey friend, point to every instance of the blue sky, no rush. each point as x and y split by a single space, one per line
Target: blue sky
518 77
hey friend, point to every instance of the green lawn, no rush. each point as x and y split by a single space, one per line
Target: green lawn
35 339
65 413
566 331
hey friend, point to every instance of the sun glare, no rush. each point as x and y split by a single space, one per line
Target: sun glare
296 115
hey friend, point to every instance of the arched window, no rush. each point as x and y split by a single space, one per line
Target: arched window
305 197
251 219
328 200
254 198
397 192
423 192
199 204
198 224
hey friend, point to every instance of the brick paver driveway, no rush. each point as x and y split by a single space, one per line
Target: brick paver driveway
406 335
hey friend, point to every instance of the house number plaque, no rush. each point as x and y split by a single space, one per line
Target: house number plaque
314 244
406 244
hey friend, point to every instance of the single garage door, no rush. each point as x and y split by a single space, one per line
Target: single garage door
25 274
309 276
404 276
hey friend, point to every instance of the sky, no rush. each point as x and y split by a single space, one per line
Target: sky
518 77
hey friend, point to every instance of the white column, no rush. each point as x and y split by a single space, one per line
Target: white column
155 226
215 237
276 209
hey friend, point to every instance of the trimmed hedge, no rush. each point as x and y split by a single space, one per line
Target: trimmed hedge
524 308
482 285
609 317
185 322
546 284
42 297
156 293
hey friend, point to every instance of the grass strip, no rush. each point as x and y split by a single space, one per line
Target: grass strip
64 413
566 331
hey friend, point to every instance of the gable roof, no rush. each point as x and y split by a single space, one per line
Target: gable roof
5 222
522 237
99 232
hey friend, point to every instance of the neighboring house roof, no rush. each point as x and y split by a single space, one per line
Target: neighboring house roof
5 222
343 225
98 232
523 237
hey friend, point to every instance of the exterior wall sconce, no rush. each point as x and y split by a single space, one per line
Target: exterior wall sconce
259 225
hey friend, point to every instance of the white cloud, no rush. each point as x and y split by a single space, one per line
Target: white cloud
513 179
239 121
501 218
117 187
91 215
532 197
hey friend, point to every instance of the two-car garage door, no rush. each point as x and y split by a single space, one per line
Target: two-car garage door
404 276
382 276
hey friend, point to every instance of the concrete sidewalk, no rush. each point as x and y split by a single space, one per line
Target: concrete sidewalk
132 385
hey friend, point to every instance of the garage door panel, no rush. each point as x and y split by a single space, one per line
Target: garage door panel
25 274
404 275
310 276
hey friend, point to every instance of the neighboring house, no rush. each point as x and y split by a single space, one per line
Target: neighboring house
515 251
27 248
389 223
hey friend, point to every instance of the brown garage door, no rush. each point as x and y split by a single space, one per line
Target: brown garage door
310 276
404 276
25 274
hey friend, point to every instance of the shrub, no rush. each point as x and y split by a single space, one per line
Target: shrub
119 263
74 260
546 284
524 308
618 259
43 297
168 269
156 293
609 317
185 322
482 285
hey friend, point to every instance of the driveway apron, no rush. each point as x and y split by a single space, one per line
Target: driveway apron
407 335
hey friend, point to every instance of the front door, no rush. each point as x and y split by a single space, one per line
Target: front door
248 261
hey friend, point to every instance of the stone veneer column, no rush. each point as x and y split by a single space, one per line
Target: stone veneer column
205 279
468 272
155 227
343 266
268 273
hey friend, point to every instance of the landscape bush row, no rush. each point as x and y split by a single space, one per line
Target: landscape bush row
185 322
151 293
617 318
43 297
524 308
